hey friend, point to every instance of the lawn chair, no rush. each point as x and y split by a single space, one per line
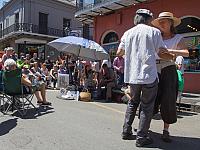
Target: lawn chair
14 93
1 93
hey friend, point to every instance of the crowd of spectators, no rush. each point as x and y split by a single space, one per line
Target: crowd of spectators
90 75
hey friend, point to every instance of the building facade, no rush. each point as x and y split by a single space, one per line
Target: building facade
28 25
111 18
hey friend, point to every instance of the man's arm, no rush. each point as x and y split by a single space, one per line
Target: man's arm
120 52
121 48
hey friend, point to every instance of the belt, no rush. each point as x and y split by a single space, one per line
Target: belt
159 61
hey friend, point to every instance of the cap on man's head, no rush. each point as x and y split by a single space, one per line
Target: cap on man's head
144 11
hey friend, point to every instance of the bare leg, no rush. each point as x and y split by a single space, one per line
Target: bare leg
39 98
166 126
43 92
165 136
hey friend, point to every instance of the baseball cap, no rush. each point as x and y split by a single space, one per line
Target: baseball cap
144 11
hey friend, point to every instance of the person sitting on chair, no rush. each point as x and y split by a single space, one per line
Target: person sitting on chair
107 79
40 93
89 82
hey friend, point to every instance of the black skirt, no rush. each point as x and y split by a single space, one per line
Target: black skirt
167 94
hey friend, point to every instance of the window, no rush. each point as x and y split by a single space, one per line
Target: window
192 63
190 26
17 18
66 24
110 38
43 23
7 22
1 30
110 44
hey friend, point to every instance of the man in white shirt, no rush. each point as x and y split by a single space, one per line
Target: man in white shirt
140 45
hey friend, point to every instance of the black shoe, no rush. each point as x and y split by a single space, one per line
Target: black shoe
43 103
166 137
143 141
128 136
46 103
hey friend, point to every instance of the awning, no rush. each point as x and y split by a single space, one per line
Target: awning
30 41
87 13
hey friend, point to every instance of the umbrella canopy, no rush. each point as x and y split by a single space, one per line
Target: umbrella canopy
80 47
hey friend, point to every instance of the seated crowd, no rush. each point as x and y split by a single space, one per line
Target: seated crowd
44 74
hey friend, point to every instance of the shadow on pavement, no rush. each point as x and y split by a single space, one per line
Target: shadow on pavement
35 113
7 126
186 113
178 143
180 115
190 96
104 101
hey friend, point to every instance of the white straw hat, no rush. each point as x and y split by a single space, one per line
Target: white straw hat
166 15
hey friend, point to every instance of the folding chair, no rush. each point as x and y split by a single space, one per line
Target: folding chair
1 93
14 92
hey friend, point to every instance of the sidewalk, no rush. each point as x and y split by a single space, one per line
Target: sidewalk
191 102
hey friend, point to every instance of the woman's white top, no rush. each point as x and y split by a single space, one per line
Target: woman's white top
170 44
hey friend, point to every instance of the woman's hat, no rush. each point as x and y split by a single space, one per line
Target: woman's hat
9 49
166 15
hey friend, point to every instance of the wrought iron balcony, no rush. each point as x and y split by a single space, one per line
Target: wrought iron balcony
86 13
31 28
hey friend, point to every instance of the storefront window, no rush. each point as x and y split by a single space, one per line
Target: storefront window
110 38
111 49
32 48
191 26
192 63
110 44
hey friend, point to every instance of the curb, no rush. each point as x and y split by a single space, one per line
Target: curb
189 105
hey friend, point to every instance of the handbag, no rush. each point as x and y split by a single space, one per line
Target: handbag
85 96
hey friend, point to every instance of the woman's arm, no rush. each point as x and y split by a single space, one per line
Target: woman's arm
51 73
181 49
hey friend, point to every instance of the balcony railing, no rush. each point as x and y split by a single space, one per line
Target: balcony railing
100 5
31 28
92 5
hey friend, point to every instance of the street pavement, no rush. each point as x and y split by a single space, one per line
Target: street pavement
75 125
